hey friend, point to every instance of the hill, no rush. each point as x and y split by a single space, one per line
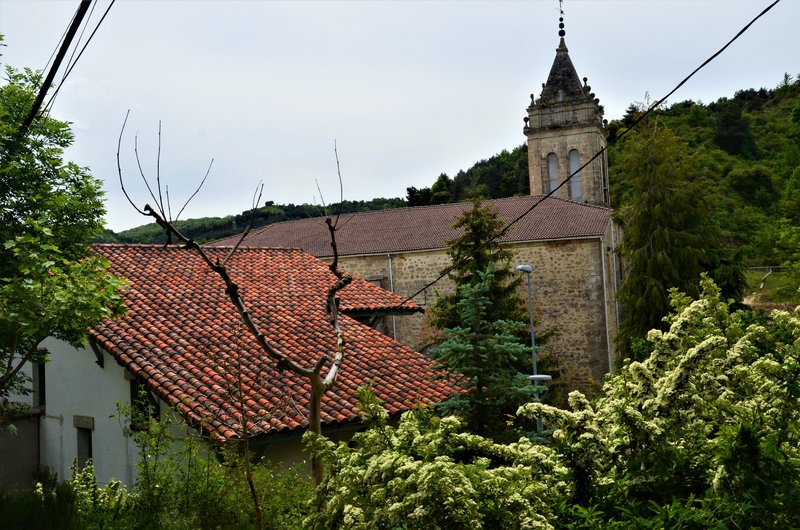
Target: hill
206 229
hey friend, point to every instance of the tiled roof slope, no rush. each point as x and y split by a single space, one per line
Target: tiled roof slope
182 338
430 227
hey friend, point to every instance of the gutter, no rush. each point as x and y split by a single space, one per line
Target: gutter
391 289
605 303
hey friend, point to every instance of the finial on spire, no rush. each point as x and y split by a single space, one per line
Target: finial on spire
561 32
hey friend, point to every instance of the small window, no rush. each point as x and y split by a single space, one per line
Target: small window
575 183
84 445
143 406
552 172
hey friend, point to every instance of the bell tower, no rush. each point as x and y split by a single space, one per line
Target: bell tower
565 129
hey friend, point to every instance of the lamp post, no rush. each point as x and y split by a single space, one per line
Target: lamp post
537 379
528 270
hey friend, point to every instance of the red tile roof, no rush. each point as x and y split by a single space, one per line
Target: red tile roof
430 227
183 339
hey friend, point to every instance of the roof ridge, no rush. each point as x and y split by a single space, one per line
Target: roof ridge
261 229
181 247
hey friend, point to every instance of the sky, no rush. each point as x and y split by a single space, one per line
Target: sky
406 90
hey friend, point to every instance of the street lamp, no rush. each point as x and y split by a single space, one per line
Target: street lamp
537 379
528 270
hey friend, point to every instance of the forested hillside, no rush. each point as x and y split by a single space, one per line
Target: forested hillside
747 146
747 149
211 228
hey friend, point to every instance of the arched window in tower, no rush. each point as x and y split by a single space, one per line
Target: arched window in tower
552 171
575 183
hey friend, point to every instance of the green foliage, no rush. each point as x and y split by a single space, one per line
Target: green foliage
184 484
35 183
489 355
471 254
48 295
502 175
773 288
49 286
703 433
181 485
669 229
733 133
427 473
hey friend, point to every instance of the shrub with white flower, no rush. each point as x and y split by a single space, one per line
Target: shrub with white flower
704 433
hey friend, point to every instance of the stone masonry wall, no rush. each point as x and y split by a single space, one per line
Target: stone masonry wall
568 292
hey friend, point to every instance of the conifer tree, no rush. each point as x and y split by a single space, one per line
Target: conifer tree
472 253
670 235
486 353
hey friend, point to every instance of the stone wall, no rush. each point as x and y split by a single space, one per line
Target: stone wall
573 294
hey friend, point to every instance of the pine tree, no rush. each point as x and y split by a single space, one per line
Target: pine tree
472 253
486 353
670 236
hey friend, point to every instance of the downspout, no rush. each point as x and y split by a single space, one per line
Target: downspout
391 288
614 265
605 302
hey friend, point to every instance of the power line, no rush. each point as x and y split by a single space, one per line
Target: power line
73 28
653 107
73 63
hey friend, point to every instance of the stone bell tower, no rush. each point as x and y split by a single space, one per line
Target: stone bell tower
565 129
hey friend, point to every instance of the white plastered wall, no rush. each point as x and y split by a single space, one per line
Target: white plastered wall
77 387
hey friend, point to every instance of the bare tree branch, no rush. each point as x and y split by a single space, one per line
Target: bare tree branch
324 210
158 172
195 191
141 172
319 383
256 200
119 166
169 204
341 186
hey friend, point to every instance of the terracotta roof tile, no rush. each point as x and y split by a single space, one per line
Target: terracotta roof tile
183 339
430 227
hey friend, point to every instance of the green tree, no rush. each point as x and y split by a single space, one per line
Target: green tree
487 354
472 253
733 133
49 284
670 232
440 191
702 433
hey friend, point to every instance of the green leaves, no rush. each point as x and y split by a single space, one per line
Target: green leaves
486 353
49 285
703 432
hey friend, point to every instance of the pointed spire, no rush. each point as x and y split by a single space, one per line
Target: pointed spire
563 83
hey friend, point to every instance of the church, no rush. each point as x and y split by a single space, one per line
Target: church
566 234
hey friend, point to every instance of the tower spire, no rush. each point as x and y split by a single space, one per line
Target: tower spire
564 127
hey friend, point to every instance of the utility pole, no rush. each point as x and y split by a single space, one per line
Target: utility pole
73 29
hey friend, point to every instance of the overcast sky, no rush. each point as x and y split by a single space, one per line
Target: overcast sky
408 89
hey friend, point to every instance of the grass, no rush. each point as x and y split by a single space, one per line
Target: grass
775 288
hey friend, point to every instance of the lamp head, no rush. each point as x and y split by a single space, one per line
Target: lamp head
525 268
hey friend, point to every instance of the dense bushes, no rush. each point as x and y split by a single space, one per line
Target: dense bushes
703 433
180 486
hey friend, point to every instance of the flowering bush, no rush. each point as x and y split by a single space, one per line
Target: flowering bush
703 433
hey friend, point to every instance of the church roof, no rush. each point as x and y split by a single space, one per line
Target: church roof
563 83
430 227
182 338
